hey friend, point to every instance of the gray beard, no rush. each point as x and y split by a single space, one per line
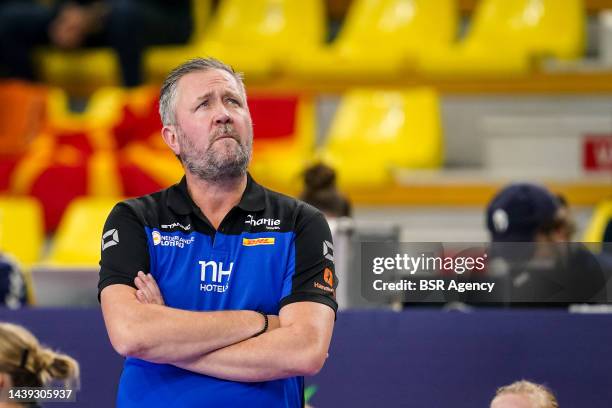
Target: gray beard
216 168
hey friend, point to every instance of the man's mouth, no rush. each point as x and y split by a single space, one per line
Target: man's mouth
226 137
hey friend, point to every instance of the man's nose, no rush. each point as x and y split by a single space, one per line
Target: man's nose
222 116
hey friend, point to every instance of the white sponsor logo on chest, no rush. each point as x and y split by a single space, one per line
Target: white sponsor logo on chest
176 224
269 223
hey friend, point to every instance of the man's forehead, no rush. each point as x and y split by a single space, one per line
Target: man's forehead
196 84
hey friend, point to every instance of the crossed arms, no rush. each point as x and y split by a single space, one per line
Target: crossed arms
218 344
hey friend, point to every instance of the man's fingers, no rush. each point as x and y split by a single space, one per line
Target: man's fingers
136 278
149 291
152 290
140 297
143 285
153 286
139 282
142 288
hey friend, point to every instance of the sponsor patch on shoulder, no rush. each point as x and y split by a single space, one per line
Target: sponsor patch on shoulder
257 241
110 238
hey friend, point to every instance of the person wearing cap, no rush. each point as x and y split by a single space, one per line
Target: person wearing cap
526 212
530 229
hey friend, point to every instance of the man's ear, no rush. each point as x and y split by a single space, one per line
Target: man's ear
170 136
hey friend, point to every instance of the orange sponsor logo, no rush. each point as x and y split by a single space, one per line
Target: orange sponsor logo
257 241
328 277
325 288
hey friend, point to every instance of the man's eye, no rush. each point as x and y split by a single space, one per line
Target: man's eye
233 101
203 104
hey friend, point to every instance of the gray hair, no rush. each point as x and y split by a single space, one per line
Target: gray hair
167 96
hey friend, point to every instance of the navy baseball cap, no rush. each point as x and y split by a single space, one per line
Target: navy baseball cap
519 210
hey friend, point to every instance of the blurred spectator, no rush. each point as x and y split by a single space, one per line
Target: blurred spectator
526 212
128 26
607 238
524 394
13 293
567 229
321 192
567 225
545 262
24 362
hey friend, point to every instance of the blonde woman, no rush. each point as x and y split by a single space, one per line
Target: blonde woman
524 394
24 362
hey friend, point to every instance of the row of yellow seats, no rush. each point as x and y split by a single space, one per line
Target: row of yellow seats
372 134
77 242
379 39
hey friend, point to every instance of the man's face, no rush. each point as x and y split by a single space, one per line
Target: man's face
566 225
213 125
511 401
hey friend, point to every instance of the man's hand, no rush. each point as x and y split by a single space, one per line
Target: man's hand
297 347
148 293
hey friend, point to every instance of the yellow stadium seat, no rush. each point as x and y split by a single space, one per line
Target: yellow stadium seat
602 215
279 163
255 36
381 38
21 229
89 69
375 132
103 110
77 240
507 36
83 70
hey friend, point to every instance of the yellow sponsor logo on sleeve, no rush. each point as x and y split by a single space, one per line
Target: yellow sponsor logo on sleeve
257 241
